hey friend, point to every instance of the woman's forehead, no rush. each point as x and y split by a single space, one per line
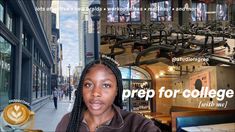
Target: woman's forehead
101 67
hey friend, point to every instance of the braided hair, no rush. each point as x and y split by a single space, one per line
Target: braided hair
79 105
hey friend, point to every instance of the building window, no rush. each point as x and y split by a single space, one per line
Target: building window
35 85
123 11
42 83
232 18
135 13
160 10
53 21
39 90
112 13
9 19
199 14
53 71
40 86
54 39
25 40
45 85
1 10
35 52
5 71
222 12
6 15
40 79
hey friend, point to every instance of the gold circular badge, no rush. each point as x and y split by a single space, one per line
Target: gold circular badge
16 114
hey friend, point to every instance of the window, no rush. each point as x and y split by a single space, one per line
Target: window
53 21
135 13
39 83
45 87
124 13
6 15
25 40
35 85
123 10
40 86
112 13
222 12
160 10
42 83
53 69
9 19
5 71
54 39
40 76
233 14
199 14
1 10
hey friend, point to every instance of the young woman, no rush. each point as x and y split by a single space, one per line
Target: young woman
98 103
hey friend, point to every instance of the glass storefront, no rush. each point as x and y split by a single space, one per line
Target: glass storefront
5 71
43 84
40 85
40 77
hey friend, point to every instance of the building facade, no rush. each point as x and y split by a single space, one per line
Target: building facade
83 32
55 49
25 56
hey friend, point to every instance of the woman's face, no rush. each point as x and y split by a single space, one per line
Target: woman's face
99 89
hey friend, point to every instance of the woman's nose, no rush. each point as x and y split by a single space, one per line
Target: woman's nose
96 92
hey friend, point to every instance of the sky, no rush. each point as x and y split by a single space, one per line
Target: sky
69 35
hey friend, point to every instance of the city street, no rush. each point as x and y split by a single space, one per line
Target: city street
47 117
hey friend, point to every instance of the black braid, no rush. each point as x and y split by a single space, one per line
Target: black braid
79 105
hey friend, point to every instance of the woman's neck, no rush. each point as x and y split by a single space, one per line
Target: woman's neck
94 121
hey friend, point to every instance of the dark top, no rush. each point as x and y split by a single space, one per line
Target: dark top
122 121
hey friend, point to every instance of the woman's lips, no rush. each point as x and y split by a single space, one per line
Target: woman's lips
95 105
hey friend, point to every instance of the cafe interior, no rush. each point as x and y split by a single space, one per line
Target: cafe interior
175 45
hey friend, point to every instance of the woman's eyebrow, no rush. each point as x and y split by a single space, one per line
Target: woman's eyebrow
105 79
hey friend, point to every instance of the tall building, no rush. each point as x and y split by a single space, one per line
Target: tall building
60 77
55 6
45 16
55 49
49 18
83 28
25 56
86 33
55 9
55 35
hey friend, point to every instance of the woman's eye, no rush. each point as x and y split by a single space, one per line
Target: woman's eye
87 85
106 85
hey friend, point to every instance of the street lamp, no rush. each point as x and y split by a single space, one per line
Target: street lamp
95 16
69 83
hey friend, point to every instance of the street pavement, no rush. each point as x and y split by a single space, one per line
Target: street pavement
47 117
